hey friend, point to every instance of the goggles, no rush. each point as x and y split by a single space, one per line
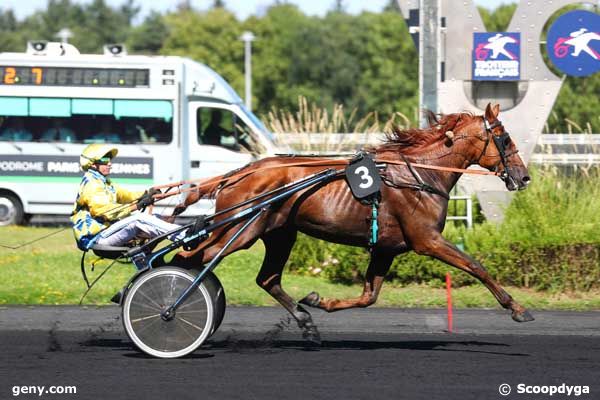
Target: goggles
103 160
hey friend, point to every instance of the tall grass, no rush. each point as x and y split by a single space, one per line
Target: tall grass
317 127
559 207
553 124
310 118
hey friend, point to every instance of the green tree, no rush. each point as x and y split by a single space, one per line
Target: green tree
277 38
210 37
101 25
339 6
497 20
367 62
389 65
43 25
149 36
130 10
392 5
11 38
218 4
93 24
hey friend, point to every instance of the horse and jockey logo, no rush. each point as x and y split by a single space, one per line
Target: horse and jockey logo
574 43
496 56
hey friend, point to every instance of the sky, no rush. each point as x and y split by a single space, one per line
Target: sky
242 8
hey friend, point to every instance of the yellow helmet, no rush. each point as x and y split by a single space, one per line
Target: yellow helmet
94 152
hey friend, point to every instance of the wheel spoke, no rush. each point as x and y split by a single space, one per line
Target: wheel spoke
191 303
190 323
138 303
158 307
143 328
144 318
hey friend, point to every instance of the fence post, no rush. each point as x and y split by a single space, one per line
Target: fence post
469 212
449 300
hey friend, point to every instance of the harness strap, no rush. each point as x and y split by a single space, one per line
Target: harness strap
83 273
413 186
421 185
374 224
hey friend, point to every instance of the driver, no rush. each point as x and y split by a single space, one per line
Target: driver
102 213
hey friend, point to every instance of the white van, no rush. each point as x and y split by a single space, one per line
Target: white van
156 110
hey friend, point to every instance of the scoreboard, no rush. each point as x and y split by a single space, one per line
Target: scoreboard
64 76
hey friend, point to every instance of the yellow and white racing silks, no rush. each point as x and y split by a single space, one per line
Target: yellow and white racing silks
99 203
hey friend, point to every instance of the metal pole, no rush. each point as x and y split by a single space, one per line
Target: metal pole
247 37
429 62
64 35
469 212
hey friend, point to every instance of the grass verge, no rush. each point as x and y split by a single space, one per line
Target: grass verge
47 272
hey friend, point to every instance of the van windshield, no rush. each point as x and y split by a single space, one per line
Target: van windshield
258 123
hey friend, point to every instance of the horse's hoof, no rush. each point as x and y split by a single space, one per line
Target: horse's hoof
312 299
312 336
523 316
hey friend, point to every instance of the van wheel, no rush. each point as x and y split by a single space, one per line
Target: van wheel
11 210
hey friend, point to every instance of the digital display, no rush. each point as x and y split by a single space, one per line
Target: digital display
59 76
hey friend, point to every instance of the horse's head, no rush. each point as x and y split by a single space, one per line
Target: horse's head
490 146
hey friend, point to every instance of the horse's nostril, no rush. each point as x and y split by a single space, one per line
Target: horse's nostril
526 180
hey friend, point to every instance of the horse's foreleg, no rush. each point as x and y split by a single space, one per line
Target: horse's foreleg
378 267
278 245
445 251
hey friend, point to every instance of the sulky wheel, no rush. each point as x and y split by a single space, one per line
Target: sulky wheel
217 294
152 293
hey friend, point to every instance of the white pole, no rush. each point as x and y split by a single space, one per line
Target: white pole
247 37
64 35
429 46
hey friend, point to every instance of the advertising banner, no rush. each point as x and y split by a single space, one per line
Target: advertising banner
496 56
573 43
40 166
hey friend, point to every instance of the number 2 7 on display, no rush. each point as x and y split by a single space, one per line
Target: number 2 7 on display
10 75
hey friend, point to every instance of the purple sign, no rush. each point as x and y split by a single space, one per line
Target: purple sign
496 56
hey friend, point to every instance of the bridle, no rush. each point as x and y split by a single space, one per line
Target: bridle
501 142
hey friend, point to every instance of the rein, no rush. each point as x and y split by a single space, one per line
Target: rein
201 183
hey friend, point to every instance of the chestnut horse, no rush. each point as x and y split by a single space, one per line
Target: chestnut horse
409 219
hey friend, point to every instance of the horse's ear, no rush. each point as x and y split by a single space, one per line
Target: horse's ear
431 118
491 113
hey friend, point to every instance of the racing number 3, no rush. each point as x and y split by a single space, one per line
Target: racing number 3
364 176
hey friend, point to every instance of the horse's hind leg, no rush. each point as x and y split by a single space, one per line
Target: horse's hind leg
445 251
379 265
278 245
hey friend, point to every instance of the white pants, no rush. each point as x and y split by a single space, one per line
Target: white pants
139 225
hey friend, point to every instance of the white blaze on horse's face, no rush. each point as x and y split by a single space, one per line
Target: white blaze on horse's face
500 153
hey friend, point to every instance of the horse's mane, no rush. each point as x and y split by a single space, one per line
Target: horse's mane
415 140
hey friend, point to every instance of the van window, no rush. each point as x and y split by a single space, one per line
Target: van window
86 120
221 127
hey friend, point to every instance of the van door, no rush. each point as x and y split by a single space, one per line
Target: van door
220 139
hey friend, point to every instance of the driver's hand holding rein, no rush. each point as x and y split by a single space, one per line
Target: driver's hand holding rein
103 213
